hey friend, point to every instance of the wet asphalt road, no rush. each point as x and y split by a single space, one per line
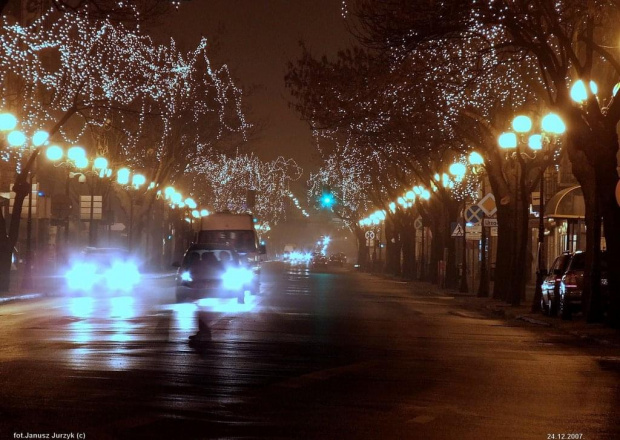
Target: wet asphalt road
316 355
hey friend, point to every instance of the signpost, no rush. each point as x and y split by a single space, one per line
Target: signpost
474 214
487 204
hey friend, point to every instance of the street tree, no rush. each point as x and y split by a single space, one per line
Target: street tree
71 74
567 41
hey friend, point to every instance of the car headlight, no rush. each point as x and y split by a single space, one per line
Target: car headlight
82 276
236 277
186 276
122 276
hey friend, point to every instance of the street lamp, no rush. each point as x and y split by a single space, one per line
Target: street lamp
18 139
476 163
541 144
123 178
458 170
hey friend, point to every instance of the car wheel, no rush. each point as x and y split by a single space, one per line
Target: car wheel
553 306
543 307
565 312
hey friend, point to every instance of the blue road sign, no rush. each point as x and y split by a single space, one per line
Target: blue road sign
474 214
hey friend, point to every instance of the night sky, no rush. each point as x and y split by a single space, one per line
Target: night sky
257 38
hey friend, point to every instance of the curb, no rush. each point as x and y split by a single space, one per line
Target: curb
7 299
533 320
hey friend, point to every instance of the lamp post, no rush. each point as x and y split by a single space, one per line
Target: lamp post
18 139
541 146
123 177
476 163
458 170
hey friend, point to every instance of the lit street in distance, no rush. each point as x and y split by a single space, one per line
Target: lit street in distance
317 354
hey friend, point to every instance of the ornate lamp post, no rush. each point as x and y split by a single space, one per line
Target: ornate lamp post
123 178
542 145
476 164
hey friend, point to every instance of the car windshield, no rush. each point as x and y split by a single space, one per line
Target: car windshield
105 255
210 258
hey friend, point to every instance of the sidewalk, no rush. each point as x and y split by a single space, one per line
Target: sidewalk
489 307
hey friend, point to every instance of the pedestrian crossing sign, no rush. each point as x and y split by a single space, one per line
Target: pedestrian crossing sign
458 231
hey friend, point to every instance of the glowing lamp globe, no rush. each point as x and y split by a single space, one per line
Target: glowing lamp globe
81 162
76 152
138 180
521 124
100 163
40 138
458 169
54 153
191 204
476 159
122 176
16 139
535 142
552 123
8 122
579 93
507 141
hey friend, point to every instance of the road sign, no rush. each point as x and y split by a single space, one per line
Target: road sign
487 204
369 235
418 223
490 222
474 214
474 232
457 231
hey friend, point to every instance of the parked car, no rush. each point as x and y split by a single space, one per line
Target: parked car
338 259
212 271
563 287
550 299
318 261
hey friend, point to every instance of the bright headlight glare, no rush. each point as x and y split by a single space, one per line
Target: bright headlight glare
186 276
82 276
236 277
122 276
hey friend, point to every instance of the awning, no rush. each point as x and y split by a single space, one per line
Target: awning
567 203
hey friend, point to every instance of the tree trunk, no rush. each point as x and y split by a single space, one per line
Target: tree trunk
408 246
362 249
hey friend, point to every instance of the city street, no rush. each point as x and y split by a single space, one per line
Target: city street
329 354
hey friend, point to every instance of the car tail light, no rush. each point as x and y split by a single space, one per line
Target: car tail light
570 279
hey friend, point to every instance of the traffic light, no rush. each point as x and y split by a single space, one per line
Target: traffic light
327 200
